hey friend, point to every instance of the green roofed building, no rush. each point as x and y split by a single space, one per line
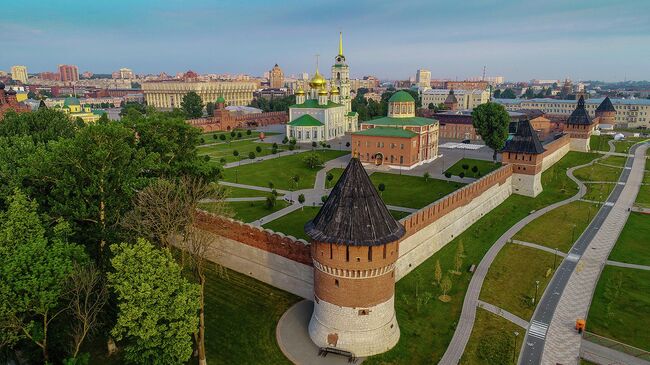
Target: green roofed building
400 139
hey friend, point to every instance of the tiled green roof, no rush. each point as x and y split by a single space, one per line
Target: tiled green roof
401 96
220 99
399 122
313 103
305 121
387 132
351 114
71 101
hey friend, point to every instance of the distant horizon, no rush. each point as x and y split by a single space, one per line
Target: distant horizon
582 40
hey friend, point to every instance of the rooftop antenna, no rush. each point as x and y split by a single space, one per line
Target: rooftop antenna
317 55
483 79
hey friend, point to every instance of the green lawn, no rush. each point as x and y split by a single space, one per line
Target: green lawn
241 316
614 160
598 192
598 172
555 229
630 247
510 282
492 340
336 173
624 145
426 333
411 191
484 167
248 211
627 319
643 198
225 150
599 143
208 137
279 171
233 192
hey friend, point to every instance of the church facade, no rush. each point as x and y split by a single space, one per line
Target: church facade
323 113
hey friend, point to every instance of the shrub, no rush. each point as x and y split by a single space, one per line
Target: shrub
251 155
258 149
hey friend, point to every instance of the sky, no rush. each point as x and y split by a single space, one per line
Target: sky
519 39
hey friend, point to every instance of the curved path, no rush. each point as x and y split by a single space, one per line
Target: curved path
468 315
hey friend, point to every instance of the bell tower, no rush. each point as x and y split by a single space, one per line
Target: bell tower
341 79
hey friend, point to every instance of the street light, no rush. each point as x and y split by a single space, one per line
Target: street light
555 259
536 289
573 234
514 349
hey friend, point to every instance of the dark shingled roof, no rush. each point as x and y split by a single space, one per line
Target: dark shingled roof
579 115
606 106
354 214
524 139
451 98
532 113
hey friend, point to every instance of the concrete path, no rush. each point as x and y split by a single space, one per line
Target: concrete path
293 338
251 199
568 295
275 215
468 315
253 187
540 247
248 161
401 209
626 265
604 355
503 313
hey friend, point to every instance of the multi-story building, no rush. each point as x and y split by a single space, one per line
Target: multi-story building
124 74
630 113
9 101
368 82
423 78
69 73
492 80
49 76
169 94
276 77
400 140
466 85
467 99
19 73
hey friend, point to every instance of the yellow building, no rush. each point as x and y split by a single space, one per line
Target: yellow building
73 108
467 99
169 94
19 73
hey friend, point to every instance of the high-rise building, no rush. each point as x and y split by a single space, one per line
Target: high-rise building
69 73
19 73
423 78
276 77
124 74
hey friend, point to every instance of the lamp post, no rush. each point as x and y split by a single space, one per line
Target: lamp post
555 259
573 234
536 290
514 349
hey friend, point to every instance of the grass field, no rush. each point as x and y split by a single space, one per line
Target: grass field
630 248
492 340
598 192
336 173
225 150
643 198
484 167
620 312
411 191
241 316
555 229
598 172
233 192
248 211
279 171
510 282
599 143
208 137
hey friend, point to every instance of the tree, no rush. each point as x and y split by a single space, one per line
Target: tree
329 178
192 105
458 258
381 188
248 132
251 155
314 144
507 94
235 153
239 135
87 295
232 134
491 121
270 201
222 137
475 169
461 175
437 273
156 324
445 287
42 126
465 166
447 174
209 108
347 144
426 176
258 149
285 140
301 198
33 273
313 160
497 94
431 106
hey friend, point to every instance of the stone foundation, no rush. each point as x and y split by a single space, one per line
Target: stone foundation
361 331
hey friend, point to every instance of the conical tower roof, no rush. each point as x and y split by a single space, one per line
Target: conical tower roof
606 106
524 139
354 214
451 98
579 115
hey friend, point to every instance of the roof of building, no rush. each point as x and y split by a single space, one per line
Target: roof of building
351 114
451 98
387 132
401 96
579 115
606 106
71 101
400 122
354 214
305 120
2 85
524 139
220 99
456 92
532 113
596 101
313 103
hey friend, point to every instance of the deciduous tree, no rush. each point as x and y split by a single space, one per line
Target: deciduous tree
491 121
192 105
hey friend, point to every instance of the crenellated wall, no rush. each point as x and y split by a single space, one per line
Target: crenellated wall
554 151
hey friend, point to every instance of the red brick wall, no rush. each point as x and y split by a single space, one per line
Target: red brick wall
557 144
256 237
227 121
367 154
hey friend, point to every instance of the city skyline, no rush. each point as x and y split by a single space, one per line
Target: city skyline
521 41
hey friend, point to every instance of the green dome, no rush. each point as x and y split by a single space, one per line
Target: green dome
401 96
221 100
71 101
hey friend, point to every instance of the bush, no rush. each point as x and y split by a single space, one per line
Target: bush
258 149
214 136
323 198
275 145
248 132
292 147
313 160
239 134
251 155
270 201
232 133
465 166
474 169
447 174
313 144
461 175
206 158
222 160
202 140
285 140
274 150
222 137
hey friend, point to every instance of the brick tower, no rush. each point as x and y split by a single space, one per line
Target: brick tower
580 126
605 113
525 152
354 248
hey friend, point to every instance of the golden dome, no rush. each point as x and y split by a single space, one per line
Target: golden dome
335 91
300 91
317 81
322 91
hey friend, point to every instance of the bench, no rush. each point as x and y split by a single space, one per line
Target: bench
323 351
472 268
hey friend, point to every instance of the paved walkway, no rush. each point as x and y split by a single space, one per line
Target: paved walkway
539 247
275 215
626 265
401 209
250 199
569 294
503 313
293 338
468 315
604 355
253 187
263 158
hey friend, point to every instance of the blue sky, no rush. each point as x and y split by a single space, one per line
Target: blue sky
606 40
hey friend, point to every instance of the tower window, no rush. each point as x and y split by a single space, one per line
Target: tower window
336 282
363 312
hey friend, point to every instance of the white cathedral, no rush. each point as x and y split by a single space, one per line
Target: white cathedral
322 115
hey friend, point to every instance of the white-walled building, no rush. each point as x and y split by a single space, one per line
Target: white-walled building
467 99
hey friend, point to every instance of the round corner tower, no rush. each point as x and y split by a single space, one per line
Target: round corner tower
354 248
